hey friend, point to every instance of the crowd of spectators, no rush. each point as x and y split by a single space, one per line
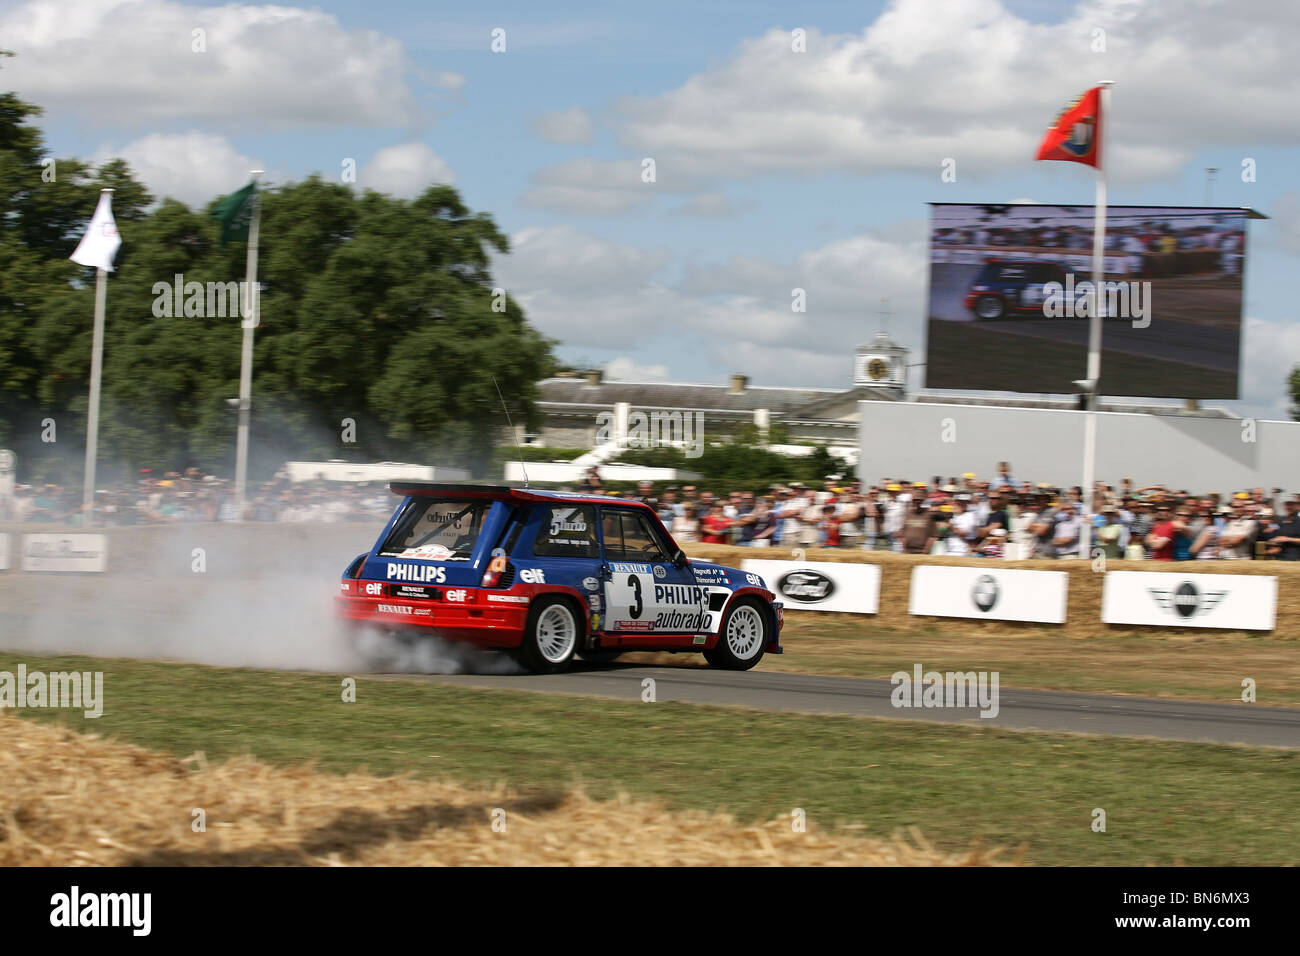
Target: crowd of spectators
192 495
999 518
1137 241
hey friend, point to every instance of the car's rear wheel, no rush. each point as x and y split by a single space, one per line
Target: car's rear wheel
550 636
990 307
743 637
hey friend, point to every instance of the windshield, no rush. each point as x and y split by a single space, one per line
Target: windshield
437 529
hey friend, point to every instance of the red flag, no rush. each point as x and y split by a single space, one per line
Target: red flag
1075 135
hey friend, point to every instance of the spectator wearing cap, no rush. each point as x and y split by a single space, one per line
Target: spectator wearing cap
1268 525
1043 527
1237 540
1065 535
919 531
895 510
1160 540
1112 536
963 530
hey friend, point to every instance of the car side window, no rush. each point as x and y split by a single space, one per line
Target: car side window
567 531
629 537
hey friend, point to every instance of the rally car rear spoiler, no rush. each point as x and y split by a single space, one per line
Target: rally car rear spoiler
462 492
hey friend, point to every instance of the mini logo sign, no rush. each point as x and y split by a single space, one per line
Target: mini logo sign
805 586
1186 600
985 593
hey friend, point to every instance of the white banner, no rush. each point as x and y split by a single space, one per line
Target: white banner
994 592
4 552
1237 601
820 585
65 552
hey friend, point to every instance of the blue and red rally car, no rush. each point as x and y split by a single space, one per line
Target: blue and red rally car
548 576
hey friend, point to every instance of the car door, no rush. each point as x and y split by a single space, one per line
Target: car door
644 591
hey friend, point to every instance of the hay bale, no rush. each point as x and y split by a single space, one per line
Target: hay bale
82 800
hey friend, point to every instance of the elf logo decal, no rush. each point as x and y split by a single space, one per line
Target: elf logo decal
1185 600
416 572
986 592
375 589
459 595
532 576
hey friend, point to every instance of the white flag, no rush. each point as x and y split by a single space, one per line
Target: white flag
99 245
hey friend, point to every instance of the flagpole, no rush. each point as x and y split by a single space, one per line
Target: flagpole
1094 328
92 417
249 323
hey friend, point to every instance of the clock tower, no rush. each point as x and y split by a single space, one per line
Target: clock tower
881 366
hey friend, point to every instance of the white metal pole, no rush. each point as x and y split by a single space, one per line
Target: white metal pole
92 417
1095 317
249 323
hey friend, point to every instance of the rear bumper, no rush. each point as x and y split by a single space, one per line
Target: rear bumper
486 618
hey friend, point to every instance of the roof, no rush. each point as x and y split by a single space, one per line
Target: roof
676 395
516 496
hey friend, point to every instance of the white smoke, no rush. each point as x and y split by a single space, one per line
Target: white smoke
249 595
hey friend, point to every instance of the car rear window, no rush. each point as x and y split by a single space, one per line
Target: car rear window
437 529
567 531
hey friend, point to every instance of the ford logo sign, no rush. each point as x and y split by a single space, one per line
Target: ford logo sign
806 586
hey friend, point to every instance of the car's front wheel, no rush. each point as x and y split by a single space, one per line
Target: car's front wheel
990 307
550 636
743 637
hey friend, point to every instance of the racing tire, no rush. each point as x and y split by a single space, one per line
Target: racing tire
742 638
990 307
551 636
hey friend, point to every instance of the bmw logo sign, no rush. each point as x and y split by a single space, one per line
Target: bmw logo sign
985 593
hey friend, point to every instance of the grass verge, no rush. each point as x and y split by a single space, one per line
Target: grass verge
1165 803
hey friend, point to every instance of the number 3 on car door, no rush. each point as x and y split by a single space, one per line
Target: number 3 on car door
625 601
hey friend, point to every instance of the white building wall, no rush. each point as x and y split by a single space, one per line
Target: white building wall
918 441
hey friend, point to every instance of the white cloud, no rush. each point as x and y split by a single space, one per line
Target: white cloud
133 62
624 369
713 205
889 98
591 187
570 127
448 80
405 171
192 167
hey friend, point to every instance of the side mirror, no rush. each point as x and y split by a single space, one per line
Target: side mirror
679 558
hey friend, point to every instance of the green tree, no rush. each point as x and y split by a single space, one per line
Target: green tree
373 309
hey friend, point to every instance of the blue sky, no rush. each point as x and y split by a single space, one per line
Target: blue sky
774 168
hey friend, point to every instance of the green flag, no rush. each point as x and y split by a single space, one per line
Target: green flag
236 212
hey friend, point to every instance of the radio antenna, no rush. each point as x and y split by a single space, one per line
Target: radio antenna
513 436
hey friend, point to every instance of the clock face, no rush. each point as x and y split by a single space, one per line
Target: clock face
877 368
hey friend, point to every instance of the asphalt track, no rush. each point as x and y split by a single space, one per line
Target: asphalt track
1168 340
1227 723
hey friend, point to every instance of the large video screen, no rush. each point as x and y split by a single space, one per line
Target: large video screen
1010 298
